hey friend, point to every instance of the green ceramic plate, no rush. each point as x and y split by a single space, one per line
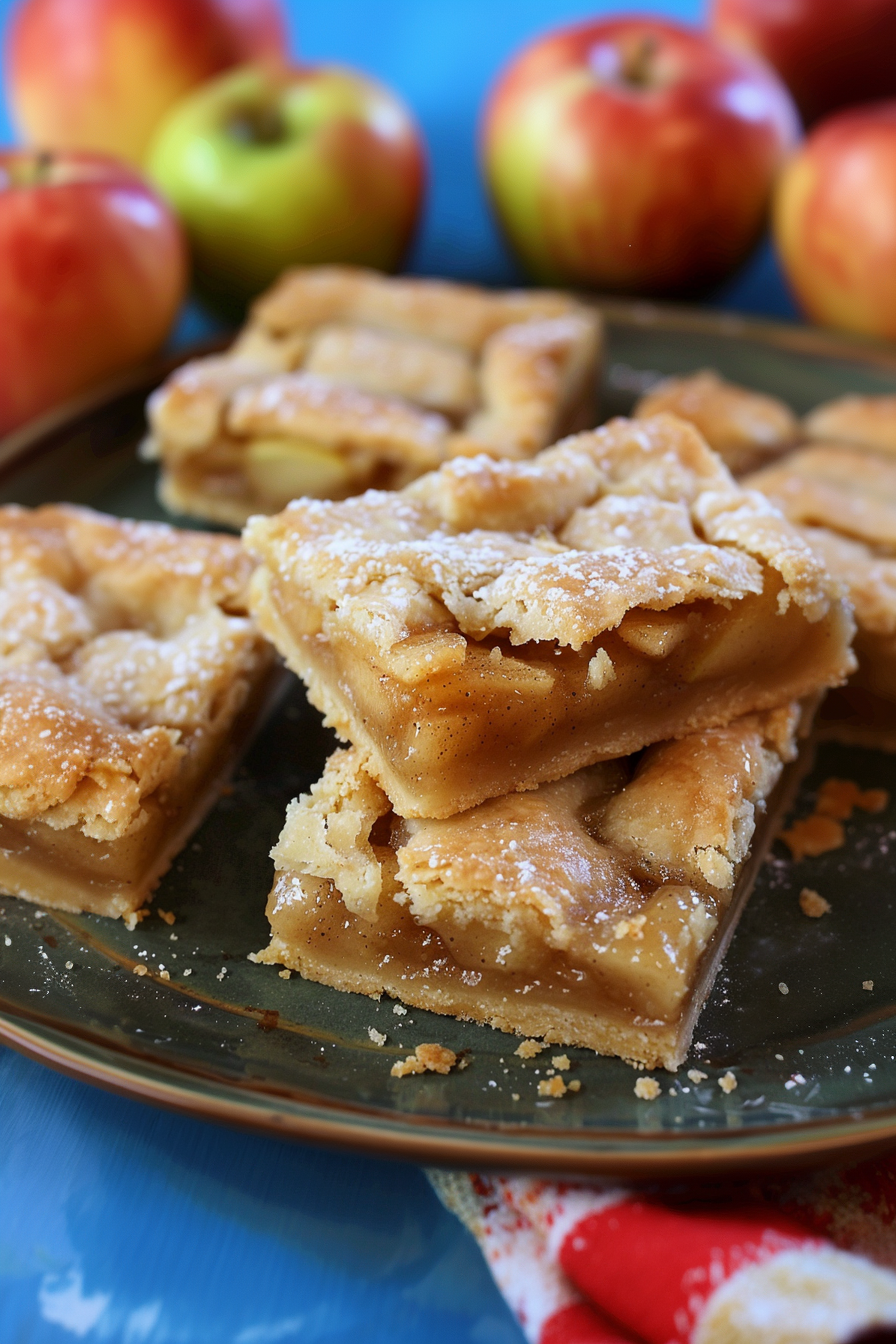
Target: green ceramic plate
816 1067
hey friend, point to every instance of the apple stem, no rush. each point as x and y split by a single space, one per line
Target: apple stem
257 125
638 56
43 167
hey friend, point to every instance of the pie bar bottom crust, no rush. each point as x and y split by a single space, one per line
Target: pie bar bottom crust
130 675
593 911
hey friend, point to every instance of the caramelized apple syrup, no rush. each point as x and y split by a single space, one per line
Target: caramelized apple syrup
497 717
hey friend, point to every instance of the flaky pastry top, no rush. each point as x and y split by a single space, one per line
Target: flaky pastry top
119 641
843 500
417 370
635 514
864 422
576 853
744 427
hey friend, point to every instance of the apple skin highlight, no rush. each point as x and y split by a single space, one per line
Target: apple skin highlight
272 168
100 74
92 272
634 155
834 221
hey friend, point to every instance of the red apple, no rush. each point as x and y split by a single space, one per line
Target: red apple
830 53
100 74
835 221
92 272
634 154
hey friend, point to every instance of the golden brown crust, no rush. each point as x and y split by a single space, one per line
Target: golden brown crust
844 502
605 889
460 315
63 759
745 428
850 491
346 379
306 406
118 648
864 422
436 377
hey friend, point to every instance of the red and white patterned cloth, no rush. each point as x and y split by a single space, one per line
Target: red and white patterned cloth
810 1262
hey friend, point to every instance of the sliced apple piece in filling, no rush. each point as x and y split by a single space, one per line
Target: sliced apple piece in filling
279 470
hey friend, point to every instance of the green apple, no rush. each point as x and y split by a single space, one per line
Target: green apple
269 168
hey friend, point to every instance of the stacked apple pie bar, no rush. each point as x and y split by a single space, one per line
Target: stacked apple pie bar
570 685
130 673
345 379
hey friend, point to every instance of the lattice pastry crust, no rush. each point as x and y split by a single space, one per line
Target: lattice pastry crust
744 427
128 665
593 911
345 379
843 500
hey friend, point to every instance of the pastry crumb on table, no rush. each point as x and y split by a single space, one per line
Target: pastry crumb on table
529 1049
823 830
427 1058
813 904
647 1089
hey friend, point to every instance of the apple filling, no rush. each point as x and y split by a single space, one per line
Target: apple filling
592 911
130 676
344 380
500 624
843 501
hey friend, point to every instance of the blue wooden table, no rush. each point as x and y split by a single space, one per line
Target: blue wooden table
126 1225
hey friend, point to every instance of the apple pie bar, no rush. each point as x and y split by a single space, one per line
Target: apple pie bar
843 500
345 379
500 624
591 911
744 427
129 675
